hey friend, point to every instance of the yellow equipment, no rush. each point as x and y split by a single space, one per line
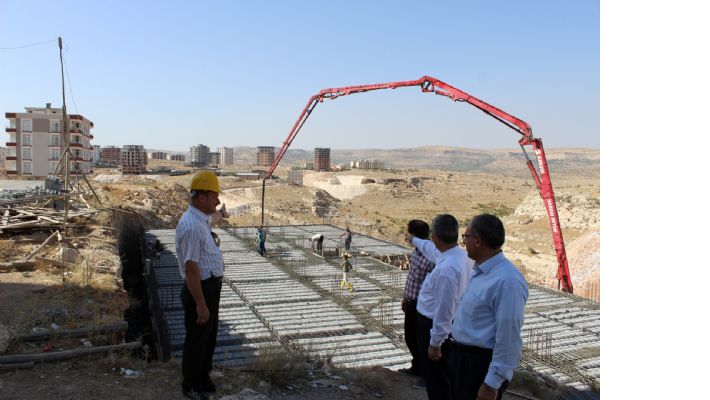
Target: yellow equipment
205 180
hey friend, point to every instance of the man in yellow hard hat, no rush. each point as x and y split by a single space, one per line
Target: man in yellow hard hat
202 267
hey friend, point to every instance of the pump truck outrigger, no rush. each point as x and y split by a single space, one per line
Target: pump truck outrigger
433 85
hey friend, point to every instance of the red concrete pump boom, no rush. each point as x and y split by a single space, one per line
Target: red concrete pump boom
433 85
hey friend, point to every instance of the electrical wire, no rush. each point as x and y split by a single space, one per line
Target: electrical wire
71 92
28 45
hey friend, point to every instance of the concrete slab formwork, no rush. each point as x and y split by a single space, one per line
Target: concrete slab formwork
293 298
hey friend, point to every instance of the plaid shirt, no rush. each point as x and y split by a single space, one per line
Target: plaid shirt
419 267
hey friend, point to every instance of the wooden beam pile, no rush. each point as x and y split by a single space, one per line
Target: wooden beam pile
18 219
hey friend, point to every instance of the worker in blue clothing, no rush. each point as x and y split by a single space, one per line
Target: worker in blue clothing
261 240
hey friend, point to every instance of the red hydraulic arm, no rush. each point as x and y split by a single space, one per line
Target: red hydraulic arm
433 85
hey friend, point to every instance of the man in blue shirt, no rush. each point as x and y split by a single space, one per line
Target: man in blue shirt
261 238
486 345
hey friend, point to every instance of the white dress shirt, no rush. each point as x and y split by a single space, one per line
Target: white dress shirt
194 242
491 314
443 287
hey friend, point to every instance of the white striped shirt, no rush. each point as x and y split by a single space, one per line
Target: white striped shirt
194 242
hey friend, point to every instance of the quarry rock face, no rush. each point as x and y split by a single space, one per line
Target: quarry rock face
324 205
576 211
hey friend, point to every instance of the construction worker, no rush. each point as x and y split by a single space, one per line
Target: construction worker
317 243
201 266
347 267
348 238
261 240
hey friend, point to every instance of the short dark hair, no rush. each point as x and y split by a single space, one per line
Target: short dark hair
446 228
418 228
490 229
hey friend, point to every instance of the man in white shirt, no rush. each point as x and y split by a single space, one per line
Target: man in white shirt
202 267
317 243
486 344
438 299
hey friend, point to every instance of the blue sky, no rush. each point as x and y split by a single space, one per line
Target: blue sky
169 74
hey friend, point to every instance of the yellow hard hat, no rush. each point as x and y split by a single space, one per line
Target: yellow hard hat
205 180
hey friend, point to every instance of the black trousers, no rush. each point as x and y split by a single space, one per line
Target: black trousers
469 366
435 373
200 340
410 333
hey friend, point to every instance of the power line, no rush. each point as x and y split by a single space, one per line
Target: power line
28 45
71 92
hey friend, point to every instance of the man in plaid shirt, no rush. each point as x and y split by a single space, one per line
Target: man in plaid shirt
419 267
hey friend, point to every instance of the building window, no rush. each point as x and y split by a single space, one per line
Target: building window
13 124
26 154
75 139
54 140
54 126
27 168
26 140
53 165
26 125
54 154
76 153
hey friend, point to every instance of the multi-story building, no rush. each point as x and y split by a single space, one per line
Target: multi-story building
214 158
321 161
133 159
295 176
367 164
110 155
95 154
265 156
36 143
158 155
199 155
176 157
226 155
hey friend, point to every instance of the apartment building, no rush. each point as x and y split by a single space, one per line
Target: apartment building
133 160
176 157
110 155
321 161
95 154
265 156
367 164
295 176
158 155
199 155
35 142
214 158
226 155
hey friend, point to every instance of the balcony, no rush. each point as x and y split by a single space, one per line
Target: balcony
10 129
9 172
10 158
79 145
8 144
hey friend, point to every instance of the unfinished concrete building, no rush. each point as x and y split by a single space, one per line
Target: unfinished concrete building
265 156
295 176
321 160
292 299
110 155
157 155
199 155
176 157
133 159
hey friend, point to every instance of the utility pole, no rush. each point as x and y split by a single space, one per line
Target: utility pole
65 138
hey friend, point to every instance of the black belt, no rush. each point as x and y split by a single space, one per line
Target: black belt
468 348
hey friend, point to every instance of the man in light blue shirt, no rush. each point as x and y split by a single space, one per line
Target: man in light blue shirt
486 345
438 298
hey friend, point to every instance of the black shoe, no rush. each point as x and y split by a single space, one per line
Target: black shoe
408 372
208 386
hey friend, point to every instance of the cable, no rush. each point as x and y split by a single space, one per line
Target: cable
71 92
27 45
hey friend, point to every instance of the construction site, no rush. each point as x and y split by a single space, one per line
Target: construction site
91 283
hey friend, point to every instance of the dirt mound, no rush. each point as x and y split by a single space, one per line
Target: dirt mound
324 205
576 211
583 256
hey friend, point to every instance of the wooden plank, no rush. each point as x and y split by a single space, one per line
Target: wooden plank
63 355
